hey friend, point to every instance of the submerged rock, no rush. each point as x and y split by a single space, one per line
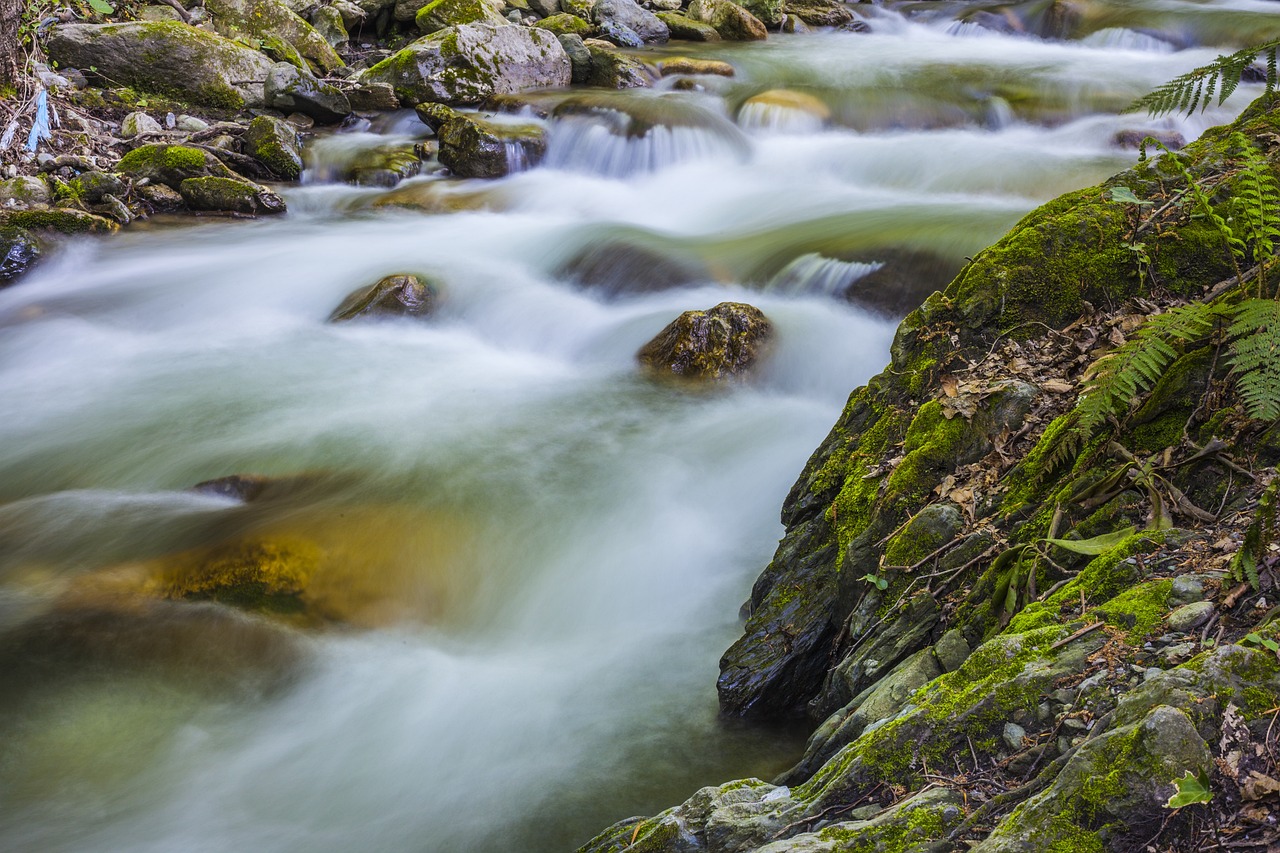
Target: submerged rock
468 63
618 267
720 343
165 58
400 295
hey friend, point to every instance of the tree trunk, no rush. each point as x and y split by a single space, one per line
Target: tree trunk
10 18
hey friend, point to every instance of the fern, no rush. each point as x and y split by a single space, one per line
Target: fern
1195 89
1258 538
1202 202
1122 375
1256 203
1254 338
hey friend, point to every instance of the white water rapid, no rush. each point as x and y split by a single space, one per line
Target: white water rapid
538 555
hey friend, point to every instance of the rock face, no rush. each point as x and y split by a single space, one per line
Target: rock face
400 295
468 63
720 343
165 58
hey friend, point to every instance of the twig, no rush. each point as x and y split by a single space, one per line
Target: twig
1077 635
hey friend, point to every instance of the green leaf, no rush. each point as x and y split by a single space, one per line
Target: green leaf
102 7
1097 544
1124 195
1192 789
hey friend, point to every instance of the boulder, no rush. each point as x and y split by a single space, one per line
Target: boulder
730 20
769 12
685 65
229 195
331 26
818 13
274 143
687 29
564 24
784 110
24 190
269 21
629 14
472 147
171 164
165 58
399 295
579 56
19 252
57 220
468 63
720 343
137 123
372 96
439 14
92 186
616 267
290 89
613 70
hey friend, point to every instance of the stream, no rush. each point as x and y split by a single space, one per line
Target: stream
533 555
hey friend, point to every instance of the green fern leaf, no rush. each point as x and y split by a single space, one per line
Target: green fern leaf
1195 89
1254 345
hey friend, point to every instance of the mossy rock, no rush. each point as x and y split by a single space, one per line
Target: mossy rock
440 14
171 164
731 21
472 147
565 24
818 13
269 575
229 195
58 220
688 65
269 20
274 143
723 342
165 58
292 89
400 295
25 190
687 29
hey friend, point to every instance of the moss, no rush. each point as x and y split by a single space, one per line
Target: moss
897 834
931 445
181 158
850 511
61 220
1138 611
258 575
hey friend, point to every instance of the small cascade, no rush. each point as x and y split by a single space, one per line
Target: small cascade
815 275
1120 38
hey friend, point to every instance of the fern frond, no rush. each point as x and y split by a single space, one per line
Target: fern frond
1256 201
1133 368
1257 538
1254 346
1195 89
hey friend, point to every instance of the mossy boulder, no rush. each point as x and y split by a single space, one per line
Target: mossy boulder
19 252
273 142
399 295
90 187
229 195
768 12
290 89
165 58
269 20
57 220
818 13
24 191
612 69
171 164
331 25
439 14
688 65
723 342
731 21
687 29
469 63
474 147
562 24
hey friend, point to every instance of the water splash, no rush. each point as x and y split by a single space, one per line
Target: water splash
814 274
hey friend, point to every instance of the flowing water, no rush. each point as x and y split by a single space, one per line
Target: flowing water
532 556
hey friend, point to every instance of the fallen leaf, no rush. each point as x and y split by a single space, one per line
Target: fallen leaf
1259 785
948 384
1056 386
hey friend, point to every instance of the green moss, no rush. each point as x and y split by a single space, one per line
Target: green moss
1138 611
931 445
181 158
850 511
61 220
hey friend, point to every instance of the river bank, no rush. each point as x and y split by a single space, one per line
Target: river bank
508 558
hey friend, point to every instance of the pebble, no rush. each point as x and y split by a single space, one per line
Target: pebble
1074 723
1187 589
191 124
1013 736
1173 654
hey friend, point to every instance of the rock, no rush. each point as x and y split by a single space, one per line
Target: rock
384 166
769 12
618 35
730 20
951 650
352 15
685 65
191 124
1013 736
24 190
579 57
784 110
615 268
229 195
400 295
613 70
580 8
439 14
1188 617
57 220
165 58
687 29
629 15
1186 589
723 342
330 24
472 147
274 144
372 96
160 196
91 186
291 90
137 123
19 252
171 164
159 13
928 530
241 487
1133 139
545 8
272 20
468 63
562 24
818 13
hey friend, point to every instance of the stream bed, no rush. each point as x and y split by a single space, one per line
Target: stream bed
533 555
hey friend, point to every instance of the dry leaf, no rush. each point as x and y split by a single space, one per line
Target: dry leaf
948 384
1116 337
1057 386
1259 785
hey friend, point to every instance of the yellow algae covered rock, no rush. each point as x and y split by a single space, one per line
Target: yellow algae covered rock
267 574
